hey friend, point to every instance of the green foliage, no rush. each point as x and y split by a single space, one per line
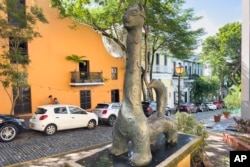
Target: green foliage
233 99
75 58
168 22
223 53
16 30
188 124
205 87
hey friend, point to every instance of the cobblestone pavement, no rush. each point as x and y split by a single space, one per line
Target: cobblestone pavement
32 145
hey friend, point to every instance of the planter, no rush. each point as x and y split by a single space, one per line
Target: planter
226 115
241 143
217 118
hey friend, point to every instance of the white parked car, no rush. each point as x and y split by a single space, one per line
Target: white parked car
52 118
107 112
211 105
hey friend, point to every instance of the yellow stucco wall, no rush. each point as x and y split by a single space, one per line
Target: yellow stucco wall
49 71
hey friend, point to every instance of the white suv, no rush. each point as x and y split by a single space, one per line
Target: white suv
107 112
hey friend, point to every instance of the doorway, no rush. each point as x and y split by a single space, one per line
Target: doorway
115 97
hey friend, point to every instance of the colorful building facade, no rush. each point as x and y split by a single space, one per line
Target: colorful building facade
98 79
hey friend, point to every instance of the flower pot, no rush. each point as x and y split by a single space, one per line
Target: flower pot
226 115
217 118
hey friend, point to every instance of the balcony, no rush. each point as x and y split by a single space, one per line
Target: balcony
80 78
160 69
187 76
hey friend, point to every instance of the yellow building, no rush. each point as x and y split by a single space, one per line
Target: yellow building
100 78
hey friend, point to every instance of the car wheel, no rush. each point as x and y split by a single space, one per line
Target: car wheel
167 113
50 129
111 120
8 132
91 124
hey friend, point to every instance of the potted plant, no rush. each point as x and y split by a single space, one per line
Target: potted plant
226 114
76 59
217 117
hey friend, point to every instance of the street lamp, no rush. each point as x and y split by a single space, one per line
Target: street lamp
179 70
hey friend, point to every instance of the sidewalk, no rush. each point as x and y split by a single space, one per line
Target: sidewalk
217 150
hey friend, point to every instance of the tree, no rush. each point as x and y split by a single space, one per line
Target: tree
204 87
167 25
233 99
16 30
223 53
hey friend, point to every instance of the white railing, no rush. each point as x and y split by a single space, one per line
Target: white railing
161 69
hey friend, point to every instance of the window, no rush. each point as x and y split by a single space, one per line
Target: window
165 60
75 110
116 106
114 73
157 59
16 13
18 49
60 110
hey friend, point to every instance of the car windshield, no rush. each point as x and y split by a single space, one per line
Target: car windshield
40 111
102 106
184 104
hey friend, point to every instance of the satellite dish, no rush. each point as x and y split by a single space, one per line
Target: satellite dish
112 47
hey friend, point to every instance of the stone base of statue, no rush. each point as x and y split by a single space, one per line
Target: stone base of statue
176 155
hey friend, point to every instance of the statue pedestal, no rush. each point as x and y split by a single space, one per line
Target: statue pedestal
177 155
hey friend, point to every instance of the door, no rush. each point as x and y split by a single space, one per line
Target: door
84 70
62 118
115 95
79 117
85 99
23 103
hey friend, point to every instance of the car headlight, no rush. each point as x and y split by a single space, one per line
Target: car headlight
1 121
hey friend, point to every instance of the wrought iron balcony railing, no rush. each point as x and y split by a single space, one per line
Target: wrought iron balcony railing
80 78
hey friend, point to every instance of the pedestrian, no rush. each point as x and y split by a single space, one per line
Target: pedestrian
56 101
51 100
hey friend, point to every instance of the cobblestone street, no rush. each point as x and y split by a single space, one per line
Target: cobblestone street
32 145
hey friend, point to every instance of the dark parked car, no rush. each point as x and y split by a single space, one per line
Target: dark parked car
222 103
168 111
188 107
201 107
10 127
150 107
218 104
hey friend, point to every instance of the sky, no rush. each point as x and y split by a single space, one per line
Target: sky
216 13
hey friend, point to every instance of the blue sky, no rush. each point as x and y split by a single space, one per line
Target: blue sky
216 13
